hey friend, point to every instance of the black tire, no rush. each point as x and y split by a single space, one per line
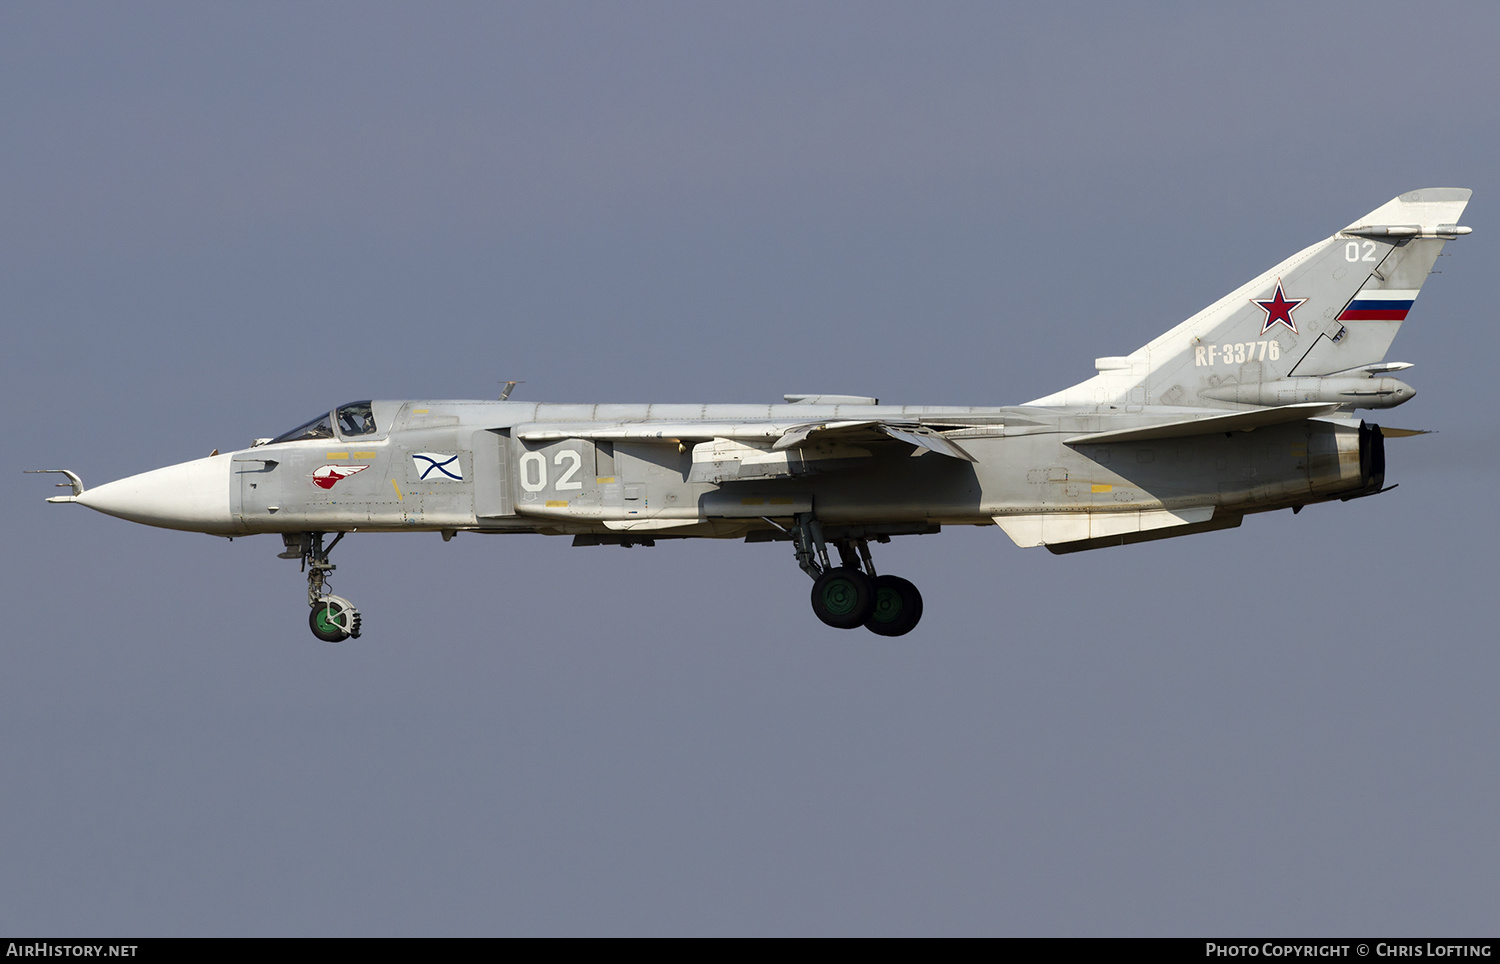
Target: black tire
897 609
322 627
843 597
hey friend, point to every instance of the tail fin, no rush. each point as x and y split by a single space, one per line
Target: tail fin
1332 309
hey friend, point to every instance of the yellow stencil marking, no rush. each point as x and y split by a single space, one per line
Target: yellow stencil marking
364 455
752 500
604 479
1102 487
556 504
398 491
337 455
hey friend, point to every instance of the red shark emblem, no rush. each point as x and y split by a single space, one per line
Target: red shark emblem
328 476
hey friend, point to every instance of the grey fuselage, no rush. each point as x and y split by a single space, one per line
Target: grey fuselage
504 470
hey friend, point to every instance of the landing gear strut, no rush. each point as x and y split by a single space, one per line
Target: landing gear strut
851 594
333 618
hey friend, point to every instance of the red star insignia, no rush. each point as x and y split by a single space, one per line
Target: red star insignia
1279 310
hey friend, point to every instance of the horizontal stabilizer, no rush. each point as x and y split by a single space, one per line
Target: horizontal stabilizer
1213 424
1051 528
1389 432
1219 521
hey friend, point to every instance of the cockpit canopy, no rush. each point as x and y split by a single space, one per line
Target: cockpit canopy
353 420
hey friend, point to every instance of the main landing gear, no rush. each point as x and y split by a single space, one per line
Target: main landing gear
333 618
851 594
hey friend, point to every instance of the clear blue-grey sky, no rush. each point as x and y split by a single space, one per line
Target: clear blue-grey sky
222 219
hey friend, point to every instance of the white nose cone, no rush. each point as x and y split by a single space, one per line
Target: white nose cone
192 496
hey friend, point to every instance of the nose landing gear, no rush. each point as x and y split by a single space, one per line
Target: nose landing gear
333 618
851 594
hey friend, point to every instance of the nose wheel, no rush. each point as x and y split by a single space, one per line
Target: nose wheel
333 618
851 594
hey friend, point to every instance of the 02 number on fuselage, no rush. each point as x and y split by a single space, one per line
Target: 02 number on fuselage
533 471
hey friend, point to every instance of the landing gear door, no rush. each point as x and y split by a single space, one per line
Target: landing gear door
492 496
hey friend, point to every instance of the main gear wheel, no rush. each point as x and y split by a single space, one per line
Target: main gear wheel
898 607
843 597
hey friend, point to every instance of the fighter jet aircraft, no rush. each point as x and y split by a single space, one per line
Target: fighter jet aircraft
1242 408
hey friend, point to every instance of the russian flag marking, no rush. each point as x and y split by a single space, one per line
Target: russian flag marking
1380 305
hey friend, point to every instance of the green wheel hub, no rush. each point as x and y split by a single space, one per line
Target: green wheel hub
840 596
897 607
888 605
326 621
